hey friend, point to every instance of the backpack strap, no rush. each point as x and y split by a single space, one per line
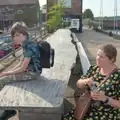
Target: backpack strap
105 79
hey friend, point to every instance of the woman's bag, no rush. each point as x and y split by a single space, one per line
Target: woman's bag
82 105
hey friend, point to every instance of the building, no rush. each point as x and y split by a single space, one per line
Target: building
18 10
72 9
108 22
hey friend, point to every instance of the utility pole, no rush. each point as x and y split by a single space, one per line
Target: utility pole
81 6
101 15
115 18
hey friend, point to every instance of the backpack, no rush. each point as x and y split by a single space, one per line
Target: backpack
46 54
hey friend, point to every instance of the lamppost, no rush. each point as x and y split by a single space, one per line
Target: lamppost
101 15
81 6
115 18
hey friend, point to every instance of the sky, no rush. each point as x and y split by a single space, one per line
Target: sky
42 2
108 7
94 5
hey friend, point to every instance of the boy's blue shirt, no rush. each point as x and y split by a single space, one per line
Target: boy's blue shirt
32 50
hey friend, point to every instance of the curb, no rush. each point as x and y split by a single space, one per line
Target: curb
85 63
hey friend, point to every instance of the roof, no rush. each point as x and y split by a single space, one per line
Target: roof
16 2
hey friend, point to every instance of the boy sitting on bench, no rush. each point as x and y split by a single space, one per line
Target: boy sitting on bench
29 68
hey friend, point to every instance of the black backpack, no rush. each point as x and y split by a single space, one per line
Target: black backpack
46 54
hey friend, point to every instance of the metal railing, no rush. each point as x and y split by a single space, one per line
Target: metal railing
39 32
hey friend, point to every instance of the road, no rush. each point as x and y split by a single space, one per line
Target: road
92 40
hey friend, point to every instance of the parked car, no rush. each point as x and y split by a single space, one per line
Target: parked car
5 49
7 45
6 39
1 43
2 53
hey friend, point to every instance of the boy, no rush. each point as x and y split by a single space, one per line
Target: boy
28 68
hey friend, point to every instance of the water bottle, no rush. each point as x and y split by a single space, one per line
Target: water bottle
95 103
94 86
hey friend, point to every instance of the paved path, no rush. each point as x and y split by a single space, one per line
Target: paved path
92 40
63 39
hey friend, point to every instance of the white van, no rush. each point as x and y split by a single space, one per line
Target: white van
75 24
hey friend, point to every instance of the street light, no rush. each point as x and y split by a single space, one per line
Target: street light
101 15
115 17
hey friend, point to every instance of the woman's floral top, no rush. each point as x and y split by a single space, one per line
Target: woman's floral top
111 88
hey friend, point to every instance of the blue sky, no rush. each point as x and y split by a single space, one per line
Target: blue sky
108 7
42 2
94 5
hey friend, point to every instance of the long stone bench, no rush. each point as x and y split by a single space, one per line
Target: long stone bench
85 63
43 99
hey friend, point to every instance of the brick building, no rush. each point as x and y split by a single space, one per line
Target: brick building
73 9
18 10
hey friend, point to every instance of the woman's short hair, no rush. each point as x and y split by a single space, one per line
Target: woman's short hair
110 51
19 27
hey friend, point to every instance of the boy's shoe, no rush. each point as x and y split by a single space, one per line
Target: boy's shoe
7 114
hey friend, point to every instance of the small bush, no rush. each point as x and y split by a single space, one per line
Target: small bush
55 16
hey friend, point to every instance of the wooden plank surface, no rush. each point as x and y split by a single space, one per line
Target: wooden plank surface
48 91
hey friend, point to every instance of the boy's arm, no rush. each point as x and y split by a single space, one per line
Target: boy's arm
17 70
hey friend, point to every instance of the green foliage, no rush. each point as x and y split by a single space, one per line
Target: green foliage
86 21
88 14
55 16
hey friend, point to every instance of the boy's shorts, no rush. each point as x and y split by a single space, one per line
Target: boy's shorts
17 78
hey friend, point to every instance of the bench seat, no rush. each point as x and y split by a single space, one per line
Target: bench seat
43 99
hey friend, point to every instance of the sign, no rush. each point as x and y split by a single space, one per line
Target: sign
67 3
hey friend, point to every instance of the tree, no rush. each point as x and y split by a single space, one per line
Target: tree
55 16
88 14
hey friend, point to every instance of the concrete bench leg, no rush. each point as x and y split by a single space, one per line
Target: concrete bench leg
38 116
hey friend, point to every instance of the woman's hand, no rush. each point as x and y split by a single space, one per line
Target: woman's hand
98 96
82 82
89 81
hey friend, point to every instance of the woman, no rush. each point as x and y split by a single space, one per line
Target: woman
108 98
